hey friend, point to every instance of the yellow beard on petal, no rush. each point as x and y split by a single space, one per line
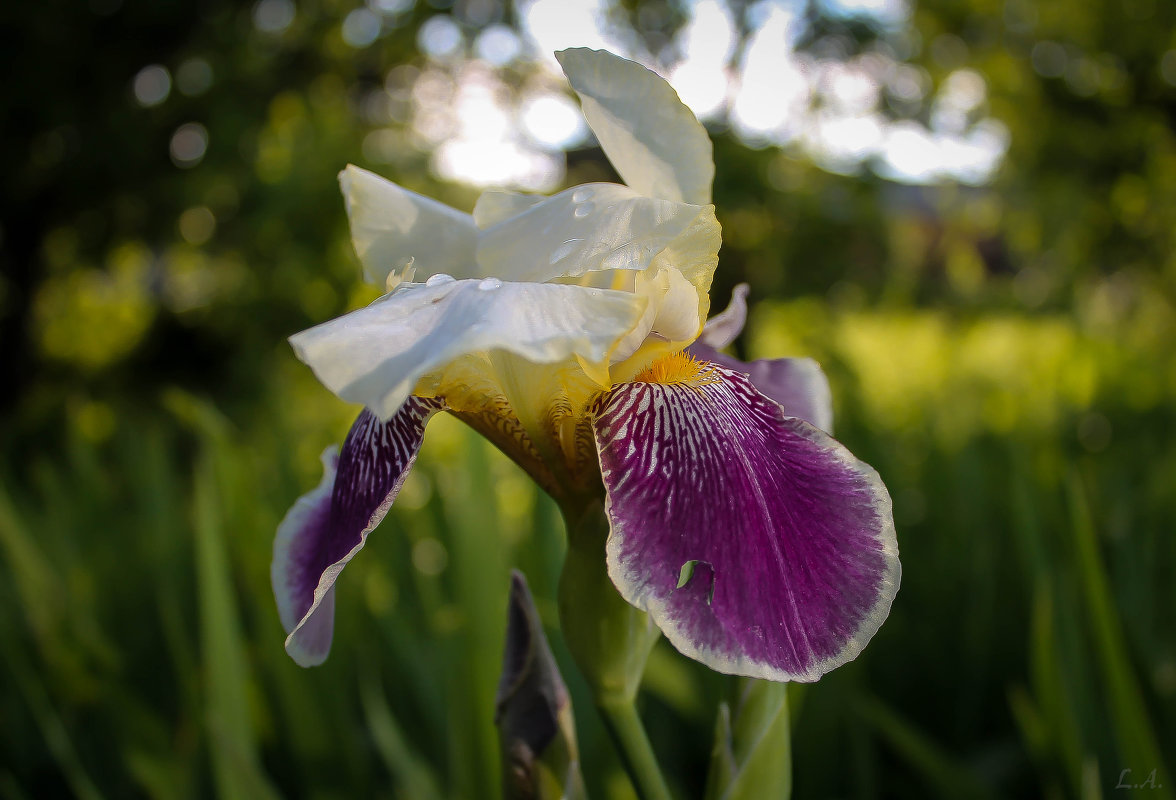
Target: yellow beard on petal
538 413
679 368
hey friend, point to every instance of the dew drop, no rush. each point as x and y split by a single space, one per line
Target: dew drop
489 284
440 279
581 195
583 210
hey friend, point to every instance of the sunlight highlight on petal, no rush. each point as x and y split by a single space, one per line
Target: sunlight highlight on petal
595 226
392 227
648 134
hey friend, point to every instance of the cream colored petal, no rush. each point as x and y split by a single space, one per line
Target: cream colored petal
597 226
393 228
677 317
654 141
671 317
494 207
377 355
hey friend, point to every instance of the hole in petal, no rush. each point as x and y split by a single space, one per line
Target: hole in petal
686 574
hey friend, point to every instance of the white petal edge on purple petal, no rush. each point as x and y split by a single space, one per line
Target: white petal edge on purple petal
739 620
377 457
310 510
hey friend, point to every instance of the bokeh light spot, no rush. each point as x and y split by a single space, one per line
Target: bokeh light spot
1049 59
152 85
553 120
429 556
1168 67
439 37
188 144
552 25
498 45
360 28
197 225
194 77
390 6
273 16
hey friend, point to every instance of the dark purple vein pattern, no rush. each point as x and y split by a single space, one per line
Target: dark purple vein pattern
797 384
328 526
758 544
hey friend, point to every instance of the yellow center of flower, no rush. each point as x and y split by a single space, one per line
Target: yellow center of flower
678 368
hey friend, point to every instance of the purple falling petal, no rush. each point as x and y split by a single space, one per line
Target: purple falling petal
329 525
797 384
758 544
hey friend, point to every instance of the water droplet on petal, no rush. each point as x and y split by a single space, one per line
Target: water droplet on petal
439 279
489 284
583 210
581 195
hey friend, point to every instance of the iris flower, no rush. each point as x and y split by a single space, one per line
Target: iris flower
572 332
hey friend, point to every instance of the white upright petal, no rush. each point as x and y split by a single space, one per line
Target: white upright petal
495 206
597 226
377 355
392 227
650 136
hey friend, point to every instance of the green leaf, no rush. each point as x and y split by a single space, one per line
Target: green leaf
752 754
1129 717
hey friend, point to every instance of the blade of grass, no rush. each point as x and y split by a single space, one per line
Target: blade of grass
231 736
53 730
943 774
402 762
1129 717
1063 731
38 586
479 578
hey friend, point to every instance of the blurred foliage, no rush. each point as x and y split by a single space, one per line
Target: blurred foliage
1001 353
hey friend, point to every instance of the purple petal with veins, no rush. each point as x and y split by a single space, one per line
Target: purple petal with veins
329 525
758 544
797 384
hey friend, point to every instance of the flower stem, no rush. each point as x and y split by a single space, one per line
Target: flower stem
610 641
624 725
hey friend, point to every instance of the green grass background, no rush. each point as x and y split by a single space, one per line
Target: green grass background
1029 651
1002 354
